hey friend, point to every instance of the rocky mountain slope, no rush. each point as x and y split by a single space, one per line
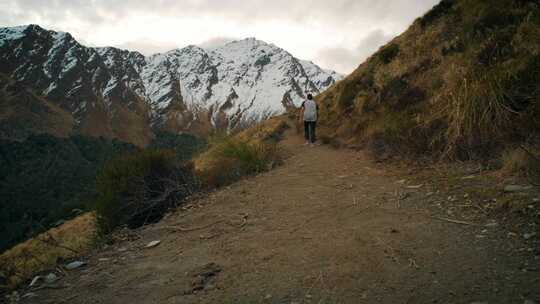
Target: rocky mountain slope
462 82
115 93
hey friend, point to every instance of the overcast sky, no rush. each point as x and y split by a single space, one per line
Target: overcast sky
336 34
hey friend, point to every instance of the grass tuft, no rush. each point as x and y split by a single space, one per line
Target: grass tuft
229 159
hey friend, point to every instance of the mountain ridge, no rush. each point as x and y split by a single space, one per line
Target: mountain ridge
110 91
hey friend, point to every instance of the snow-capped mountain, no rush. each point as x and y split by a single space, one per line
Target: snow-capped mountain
117 93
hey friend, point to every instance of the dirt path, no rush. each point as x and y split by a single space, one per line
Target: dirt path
328 226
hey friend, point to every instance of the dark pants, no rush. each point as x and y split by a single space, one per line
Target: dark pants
309 131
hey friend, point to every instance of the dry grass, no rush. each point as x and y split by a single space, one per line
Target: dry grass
251 151
463 85
271 129
74 238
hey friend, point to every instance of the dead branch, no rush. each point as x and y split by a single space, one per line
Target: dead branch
182 229
454 221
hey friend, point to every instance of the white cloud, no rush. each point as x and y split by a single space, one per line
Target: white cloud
335 34
345 60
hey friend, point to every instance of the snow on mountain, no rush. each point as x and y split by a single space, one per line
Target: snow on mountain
243 81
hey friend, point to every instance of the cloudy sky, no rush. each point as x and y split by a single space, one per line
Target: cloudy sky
337 34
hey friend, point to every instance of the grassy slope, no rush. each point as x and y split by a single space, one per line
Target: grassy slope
40 253
463 81
23 113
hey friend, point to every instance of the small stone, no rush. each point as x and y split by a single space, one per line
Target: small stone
401 181
51 278
516 188
528 236
529 302
268 297
493 224
104 259
153 244
468 177
415 186
75 265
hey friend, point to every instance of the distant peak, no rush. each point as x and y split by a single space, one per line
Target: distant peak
187 49
34 27
193 47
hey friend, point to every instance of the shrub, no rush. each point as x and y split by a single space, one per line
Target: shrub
388 53
139 188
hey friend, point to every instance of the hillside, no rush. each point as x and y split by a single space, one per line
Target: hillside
259 217
462 82
46 180
307 232
120 94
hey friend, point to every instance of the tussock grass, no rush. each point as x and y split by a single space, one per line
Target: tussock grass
252 151
230 159
477 111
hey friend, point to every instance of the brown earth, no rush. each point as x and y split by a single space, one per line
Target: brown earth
328 226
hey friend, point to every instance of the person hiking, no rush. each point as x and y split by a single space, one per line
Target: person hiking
308 114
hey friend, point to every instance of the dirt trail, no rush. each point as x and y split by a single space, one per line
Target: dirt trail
326 227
